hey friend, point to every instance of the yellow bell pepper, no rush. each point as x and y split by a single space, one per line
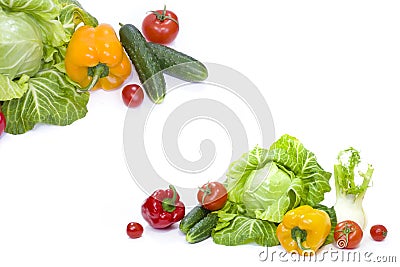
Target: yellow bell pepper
303 230
95 58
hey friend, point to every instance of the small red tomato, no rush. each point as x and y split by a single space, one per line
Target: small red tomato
132 95
134 230
212 196
348 234
2 122
378 232
160 26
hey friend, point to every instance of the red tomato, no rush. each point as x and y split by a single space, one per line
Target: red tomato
132 95
134 230
2 123
348 234
212 196
160 26
378 232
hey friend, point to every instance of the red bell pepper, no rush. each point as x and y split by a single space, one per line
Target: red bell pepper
163 208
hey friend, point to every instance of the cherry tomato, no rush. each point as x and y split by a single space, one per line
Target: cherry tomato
2 123
348 234
160 26
132 95
134 230
212 195
378 232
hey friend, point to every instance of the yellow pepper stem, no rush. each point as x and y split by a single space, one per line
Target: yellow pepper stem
299 236
99 71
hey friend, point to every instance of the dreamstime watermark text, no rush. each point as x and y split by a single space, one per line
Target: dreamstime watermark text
327 255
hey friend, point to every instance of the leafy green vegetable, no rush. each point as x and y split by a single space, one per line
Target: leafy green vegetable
47 9
290 154
269 192
34 88
50 99
10 89
239 171
72 14
269 183
263 185
243 230
21 44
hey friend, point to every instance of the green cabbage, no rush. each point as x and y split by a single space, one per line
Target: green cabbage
263 185
34 87
21 44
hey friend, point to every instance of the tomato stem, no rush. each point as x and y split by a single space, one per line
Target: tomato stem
161 17
206 191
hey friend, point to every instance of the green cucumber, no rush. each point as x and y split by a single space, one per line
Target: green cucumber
203 229
145 61
179 65
194 216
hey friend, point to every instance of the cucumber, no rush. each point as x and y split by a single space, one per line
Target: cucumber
194 216
203 229
179 65
145 61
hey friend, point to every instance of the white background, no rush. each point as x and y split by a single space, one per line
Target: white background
329 71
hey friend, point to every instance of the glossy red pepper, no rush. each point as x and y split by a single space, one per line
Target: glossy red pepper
163 208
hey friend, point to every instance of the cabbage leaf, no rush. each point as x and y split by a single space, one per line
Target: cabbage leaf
21 45
50 99
290 154
243 230
270 192
46 9
10 89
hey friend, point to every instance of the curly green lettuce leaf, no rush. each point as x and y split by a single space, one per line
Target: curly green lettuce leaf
233 230
50 99
290 154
